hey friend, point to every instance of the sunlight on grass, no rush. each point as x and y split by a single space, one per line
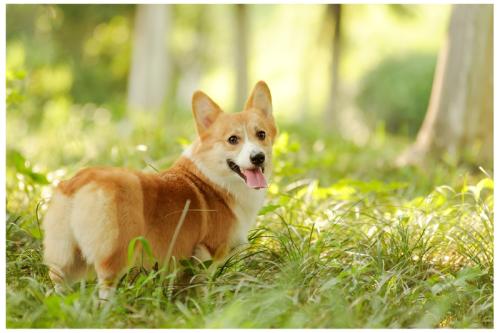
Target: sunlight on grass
327 252
345 240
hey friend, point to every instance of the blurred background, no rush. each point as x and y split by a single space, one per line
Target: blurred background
383 168
112 84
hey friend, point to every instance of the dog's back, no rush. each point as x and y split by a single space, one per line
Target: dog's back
93 217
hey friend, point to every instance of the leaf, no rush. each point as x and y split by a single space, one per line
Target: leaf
329 284
38 177
484 183
268 209
184 310
17 160
183 142
145 246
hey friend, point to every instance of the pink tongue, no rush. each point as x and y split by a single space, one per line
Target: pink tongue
255 178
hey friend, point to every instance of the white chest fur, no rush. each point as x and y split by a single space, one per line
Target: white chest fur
248 201
246 209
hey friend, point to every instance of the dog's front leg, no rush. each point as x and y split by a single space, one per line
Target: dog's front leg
202 253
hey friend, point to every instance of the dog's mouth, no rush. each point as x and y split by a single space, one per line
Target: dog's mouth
254 178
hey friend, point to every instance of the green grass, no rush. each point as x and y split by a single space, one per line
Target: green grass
345 239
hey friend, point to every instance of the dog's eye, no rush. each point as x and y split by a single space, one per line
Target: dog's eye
233 139
261 135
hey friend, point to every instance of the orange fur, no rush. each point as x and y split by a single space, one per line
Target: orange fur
94 215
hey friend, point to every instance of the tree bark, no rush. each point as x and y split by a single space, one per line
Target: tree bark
148 78
459 120
241 44
331 117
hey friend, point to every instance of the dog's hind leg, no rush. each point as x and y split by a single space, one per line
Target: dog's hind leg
109 272
103 222
61 252
94 224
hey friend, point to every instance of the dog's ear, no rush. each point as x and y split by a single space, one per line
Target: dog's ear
205 111
260 99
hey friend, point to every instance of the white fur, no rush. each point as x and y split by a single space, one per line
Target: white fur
249 148
91 203
248 201
106 292
79 222
59 241
201 252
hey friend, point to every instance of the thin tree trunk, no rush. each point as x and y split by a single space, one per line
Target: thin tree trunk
149 72
335 11
459 120
241 44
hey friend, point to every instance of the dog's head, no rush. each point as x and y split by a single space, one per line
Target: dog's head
235 148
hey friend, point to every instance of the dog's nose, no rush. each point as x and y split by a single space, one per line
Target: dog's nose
257 159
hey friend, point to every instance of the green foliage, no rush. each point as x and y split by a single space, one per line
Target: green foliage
397 92
22 167
343 241
88 65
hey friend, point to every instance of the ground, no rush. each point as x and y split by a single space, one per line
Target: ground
345 239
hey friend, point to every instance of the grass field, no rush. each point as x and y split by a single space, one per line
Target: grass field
345 239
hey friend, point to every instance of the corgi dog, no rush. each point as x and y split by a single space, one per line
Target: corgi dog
221 179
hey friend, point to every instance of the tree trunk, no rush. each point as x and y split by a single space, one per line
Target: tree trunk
148 78
241 42
333 104
459 120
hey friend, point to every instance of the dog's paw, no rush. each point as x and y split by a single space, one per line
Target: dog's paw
202 253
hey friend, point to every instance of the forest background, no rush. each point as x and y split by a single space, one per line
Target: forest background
380 209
